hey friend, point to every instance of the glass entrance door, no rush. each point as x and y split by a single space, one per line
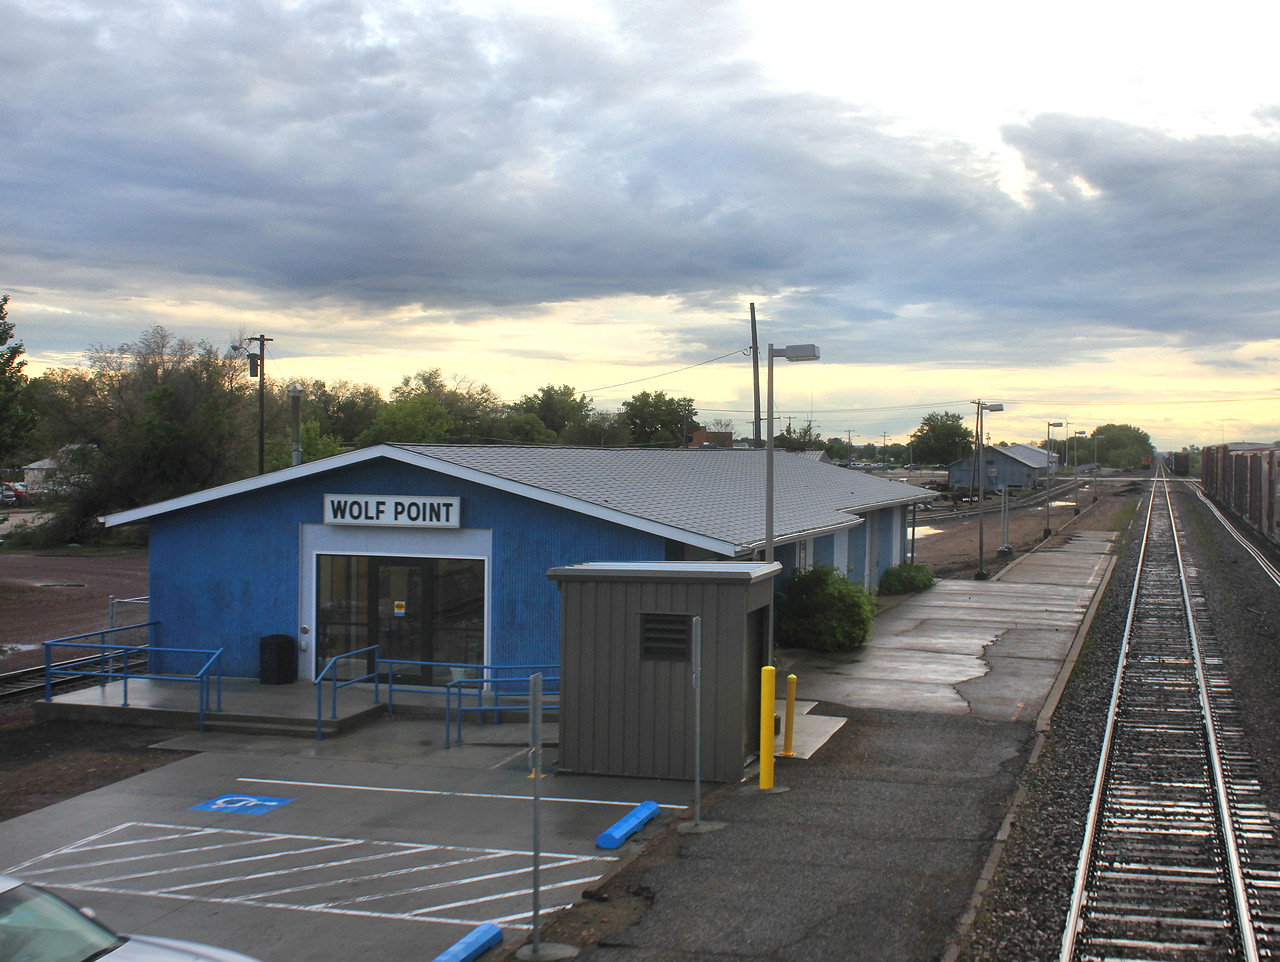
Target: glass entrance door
413 609
399 618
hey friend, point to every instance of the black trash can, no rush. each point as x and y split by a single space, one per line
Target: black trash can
277 660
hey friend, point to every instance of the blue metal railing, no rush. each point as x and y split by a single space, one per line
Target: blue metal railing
496 688
112 664
505 687
330 673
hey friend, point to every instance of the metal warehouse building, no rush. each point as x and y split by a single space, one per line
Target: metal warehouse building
440 553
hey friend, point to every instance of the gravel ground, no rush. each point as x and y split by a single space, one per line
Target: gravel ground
1023 912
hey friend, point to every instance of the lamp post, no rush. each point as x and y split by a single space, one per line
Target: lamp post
980 467
1048 464
1075 472
258 368
792 352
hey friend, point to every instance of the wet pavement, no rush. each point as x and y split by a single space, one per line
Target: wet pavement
884 838
382 838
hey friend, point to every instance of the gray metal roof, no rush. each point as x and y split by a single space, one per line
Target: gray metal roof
1032 457
713 498
717 493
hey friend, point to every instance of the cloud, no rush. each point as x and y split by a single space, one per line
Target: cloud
364 170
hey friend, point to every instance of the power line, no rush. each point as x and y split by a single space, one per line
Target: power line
607 387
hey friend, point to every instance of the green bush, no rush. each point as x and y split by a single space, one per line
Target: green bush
905 578
821 609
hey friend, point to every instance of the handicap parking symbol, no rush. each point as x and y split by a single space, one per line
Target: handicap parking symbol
242 804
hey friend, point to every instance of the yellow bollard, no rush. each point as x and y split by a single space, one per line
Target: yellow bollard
789 726
767 696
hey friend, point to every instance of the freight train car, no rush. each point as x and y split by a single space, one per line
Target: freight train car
1242 479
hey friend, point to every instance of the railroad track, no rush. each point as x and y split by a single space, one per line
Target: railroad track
1179 859
29 682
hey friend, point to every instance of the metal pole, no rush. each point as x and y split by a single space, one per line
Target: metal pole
767 694
535 758
768 468
789 725
697 720
981 574
755 374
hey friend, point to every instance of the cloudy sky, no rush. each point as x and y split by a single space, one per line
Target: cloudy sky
1069 210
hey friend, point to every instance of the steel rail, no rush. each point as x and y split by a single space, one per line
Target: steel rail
1223 813
1079 888
16 684
1270 570
1244 920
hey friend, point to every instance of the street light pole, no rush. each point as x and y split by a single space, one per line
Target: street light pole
792 352
980 467
1048 463
258 369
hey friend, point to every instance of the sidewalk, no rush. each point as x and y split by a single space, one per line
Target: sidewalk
877 849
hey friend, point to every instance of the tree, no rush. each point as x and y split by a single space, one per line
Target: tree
343 410
806 439
1122 445
941 438
600 429
656 420
415 419
473 408
558 408
16 416
140 423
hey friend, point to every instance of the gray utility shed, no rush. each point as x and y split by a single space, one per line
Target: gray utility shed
626 666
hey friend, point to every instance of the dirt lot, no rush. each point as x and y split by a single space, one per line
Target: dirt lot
56 594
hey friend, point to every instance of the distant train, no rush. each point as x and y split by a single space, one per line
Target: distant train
1242 480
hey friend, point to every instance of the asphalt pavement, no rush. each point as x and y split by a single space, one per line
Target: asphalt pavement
880 846
382 841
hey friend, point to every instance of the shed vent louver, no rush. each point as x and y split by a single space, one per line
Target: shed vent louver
665 637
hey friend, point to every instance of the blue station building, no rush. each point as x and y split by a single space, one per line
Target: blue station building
440 553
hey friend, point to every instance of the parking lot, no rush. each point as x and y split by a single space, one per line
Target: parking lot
288 856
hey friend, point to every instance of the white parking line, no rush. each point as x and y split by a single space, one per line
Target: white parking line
440 868
430 791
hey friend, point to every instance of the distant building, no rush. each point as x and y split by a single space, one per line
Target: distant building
1011 466
711 439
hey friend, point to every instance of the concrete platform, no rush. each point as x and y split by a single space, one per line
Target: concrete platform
993 648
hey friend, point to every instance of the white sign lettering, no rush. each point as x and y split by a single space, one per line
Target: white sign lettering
393 509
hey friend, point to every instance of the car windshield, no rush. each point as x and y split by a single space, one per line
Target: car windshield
36 926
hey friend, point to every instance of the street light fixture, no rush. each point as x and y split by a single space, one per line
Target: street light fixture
980 467
1048 464
792 352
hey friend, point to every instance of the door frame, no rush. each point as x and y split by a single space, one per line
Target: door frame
471 544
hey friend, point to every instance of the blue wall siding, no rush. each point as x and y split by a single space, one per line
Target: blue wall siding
857 558
225 574
892 540
824 550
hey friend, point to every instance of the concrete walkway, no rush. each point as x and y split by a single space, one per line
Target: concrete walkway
988 648
878 847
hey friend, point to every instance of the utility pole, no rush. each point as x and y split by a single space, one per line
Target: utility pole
258 369
755 373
